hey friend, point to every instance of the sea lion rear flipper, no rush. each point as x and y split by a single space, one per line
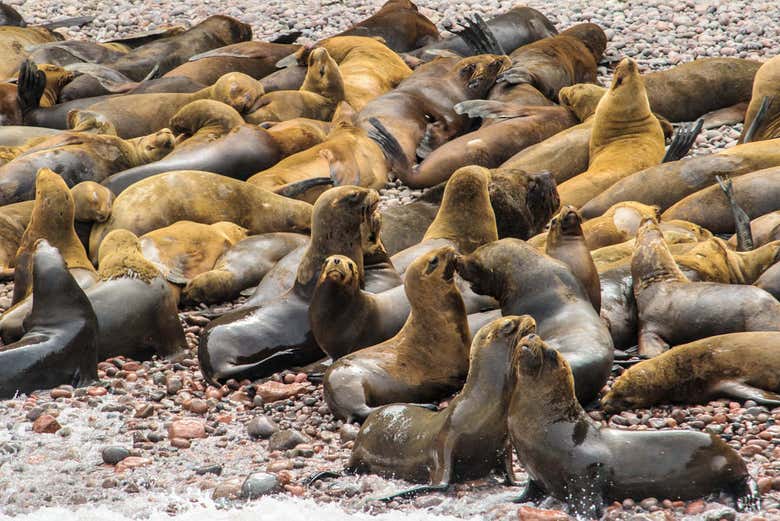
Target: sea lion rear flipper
478 36
30 86
412 492
69 22
288 61
390 146
741 391
287 37
741 218
758 120
293 190
533 493
650 344
682 141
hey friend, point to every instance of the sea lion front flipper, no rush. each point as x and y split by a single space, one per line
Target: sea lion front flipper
758 120
29 86
390 146
490 109
650 344
682 141
742 391
297 188
741 218
412 492
533 493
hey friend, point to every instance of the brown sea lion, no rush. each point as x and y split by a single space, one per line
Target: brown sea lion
665 184
242 266
317 98
626 138
60 345
603 464
77 157
201 197
428 358
525 280
211 137
758 193
566 243
465 441
673 310
249 342
762 119
255 59
185 249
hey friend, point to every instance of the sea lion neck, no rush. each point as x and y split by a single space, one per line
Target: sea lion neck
54 289
652 261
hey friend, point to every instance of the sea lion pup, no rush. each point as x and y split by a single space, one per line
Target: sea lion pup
525 280
740 366
317 98
757 193
256 341
673 310
60 344
626 138
573 458
241 266
566 243
200 197
348 155
399 24
616 225
167 53
665 184
76 157
256 59
465 441
425 361
185 249
211 137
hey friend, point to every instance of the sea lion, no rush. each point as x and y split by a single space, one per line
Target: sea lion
673 310
626 138
603 464
77 157
201 197
740 366
566 243
525 280
68 52
426 360
713 260
665 184
757 193
763 124
763 229
322 90
253 58
399 24
256 341
185 249
60 345
241 266
465 441
212 137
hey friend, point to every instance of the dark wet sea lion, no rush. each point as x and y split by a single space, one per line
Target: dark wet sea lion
256 341
77 157
740 366
575 459
60 345
215 139
168 53
256 59
566 243
468 439
673 310
242 266
758 193
626 137
201 197
665 184
399 23
526 281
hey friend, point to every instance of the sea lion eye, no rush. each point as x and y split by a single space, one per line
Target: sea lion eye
432 265
354 197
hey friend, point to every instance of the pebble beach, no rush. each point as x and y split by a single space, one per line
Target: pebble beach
154 440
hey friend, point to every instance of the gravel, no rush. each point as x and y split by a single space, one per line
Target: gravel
221 434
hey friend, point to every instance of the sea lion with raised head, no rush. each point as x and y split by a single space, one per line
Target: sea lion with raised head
575 459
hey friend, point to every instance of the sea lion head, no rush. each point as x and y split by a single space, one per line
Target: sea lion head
567 223
630 390
466 216
626 99
494 346
204 113
523 203
231 231
240 91
479 72
479 267
323 75
652 261
55 200
154 146
431 276
543 372
341 271
582 98
592 36
120 256
93 202
92 122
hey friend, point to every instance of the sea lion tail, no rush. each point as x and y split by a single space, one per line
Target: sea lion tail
69 22
30 86
683 140
287 37
293 190
390 146
758 120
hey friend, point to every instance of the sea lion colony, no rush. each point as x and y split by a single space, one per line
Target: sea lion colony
561 239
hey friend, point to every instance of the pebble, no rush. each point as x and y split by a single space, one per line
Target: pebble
46 424
261 427
287 439
113 455
258 484
187 429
